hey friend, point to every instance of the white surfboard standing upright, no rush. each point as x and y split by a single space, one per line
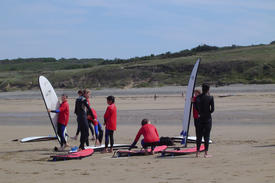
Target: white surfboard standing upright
51 101
188 103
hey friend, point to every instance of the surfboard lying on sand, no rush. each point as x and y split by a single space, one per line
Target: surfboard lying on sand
190 139
38 139
74 155
123 153
183 151
101 147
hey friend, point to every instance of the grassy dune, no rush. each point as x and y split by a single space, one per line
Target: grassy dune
221 66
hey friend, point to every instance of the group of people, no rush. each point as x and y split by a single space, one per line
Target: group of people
86 118
203 106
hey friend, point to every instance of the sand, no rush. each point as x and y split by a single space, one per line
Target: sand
243 135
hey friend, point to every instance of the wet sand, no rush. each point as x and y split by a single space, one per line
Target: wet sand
243 135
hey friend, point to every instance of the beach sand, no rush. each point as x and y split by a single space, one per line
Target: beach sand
242 132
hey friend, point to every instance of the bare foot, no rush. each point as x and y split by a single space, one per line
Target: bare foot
104 151
110 150
197 154
146 152
207 156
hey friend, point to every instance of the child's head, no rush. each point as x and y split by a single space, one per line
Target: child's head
197 92
80 92
205 88
144 122
110 99
86 93
64 97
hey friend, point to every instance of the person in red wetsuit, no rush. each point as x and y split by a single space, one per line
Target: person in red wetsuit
150 134
63 119
110 119
97 127
87 94
195 112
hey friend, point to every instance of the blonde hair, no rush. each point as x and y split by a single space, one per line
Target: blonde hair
198 91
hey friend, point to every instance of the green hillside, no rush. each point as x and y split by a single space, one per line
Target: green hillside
219 66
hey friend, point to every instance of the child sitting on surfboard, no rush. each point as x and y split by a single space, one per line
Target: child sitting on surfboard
63 119
110 119
150 134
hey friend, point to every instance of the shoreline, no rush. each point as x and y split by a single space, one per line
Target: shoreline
161 91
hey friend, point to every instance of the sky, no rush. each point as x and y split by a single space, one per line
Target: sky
128 28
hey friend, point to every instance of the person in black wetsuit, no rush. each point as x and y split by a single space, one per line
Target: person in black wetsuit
81 109
205 106
80 93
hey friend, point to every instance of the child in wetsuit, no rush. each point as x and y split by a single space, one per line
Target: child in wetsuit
98 128
63 119
110 119
195 112
81 109
150 134
205 106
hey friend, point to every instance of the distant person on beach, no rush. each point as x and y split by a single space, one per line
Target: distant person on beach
110 120
63 119
205 106
150 134
195 112
82 108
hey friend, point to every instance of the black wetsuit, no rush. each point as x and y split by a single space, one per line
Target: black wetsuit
205 106
81 109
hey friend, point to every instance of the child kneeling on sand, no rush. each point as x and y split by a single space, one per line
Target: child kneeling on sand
150 134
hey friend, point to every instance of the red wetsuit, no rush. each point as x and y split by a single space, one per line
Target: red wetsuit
110 117
95 117
149 132
63 116
89 117
195 112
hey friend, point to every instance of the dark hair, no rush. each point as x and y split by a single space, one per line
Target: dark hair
144 121
205 88
111 98
80 92
66 96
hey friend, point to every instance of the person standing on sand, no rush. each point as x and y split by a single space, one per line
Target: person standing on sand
81 109
87 94
98 128
151 136
63 119
205 106
195 112
80 94
110 120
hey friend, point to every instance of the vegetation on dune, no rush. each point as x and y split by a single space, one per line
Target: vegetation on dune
219 66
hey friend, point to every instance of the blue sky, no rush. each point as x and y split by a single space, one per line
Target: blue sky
128 28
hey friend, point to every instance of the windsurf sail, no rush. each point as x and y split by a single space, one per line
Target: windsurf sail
188 103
